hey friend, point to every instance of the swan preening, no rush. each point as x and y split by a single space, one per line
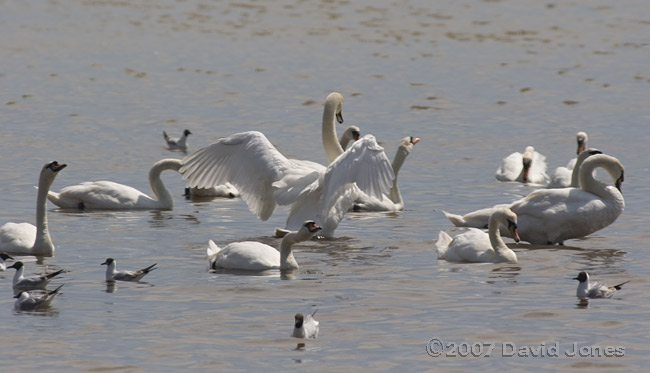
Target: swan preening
393 200
551 216
24 238
526 167
256 256
592 289
112 274
179 143
28 302
108 195
266 178
476 246
305 326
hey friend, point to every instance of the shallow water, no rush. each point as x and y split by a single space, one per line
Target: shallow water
93 84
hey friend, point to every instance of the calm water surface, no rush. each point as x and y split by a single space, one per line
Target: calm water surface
94 83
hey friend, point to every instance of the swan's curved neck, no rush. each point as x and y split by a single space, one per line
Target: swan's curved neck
494 234
330 141
400 156
587 181
163 194
43 242
287 261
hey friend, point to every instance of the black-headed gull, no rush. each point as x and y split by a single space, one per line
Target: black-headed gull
26 301
305 326
592 289
22 283
179 143
114 275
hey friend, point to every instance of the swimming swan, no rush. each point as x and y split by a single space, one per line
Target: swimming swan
551 216
393 200
24 238
476 246
256 256
107 195
526 167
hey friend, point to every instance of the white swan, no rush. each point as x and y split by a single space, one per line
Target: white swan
476 246
592 289
107 195
28 302
563 177
526 167
352 133
112 274
256 256
305 326
265 178
393 200
22 283
179 143
24 238
550 216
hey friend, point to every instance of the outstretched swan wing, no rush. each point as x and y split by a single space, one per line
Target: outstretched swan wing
247 160
365 164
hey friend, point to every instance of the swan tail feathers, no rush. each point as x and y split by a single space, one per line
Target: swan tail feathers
442 244
619 286
165 136
457 220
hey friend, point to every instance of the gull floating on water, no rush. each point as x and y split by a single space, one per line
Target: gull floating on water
3 257
26 301
179 143
22 283
306 326
114 275
592 289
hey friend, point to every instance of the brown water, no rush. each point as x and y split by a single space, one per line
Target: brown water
94 83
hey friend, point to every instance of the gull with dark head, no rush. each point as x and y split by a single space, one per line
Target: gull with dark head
112 274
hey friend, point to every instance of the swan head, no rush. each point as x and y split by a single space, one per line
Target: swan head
581 139
582 277
308 230
187 132
335 100
408 142
54 166
508 219
619 181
